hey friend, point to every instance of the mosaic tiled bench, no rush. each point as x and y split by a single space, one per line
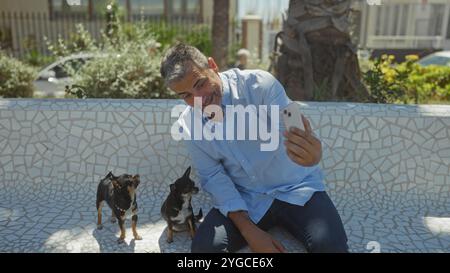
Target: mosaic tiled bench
387 170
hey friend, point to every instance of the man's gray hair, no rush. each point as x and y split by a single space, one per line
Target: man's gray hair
178 61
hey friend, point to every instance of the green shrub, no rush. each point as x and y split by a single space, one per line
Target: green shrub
407 82
431 84
169 34
132 72
385 83
16 78
79 41
34 58
131 56
126 67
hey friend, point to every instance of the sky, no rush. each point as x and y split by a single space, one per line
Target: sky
264 8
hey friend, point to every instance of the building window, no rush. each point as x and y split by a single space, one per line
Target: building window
377 14
61 8
448 28
133 8
178 7
99 6
193 7
147 7
395 10
404 19
436 19
184 8
91 8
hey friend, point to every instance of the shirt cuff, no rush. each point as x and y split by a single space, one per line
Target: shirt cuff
232 205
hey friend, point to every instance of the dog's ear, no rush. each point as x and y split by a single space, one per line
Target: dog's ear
115 184
136 180
109 175
187 173
172 187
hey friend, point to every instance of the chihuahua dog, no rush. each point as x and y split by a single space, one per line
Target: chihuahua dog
119 192
177 208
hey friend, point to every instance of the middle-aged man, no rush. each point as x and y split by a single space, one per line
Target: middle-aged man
252 190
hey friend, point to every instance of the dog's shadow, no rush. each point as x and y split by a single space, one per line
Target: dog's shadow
107 239
181 242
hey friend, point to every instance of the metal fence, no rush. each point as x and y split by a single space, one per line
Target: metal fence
22 31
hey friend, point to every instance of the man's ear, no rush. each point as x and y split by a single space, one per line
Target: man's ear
212 64
172 187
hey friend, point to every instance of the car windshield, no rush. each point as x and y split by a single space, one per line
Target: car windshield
61 69
435 60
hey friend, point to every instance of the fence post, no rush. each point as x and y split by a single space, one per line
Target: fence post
39 39
49 28
15 31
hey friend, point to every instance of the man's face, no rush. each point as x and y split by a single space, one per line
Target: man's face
203 83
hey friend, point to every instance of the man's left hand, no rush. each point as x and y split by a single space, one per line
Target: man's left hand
303 147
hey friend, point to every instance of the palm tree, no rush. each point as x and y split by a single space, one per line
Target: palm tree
220 32
317 60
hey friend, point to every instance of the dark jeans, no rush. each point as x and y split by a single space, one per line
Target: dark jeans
317 225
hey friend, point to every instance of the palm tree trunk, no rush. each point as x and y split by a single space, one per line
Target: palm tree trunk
220 30
317 59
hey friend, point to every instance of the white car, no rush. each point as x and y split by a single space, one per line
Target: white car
441 58
52 80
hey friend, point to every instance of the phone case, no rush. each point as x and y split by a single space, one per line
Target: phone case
292 116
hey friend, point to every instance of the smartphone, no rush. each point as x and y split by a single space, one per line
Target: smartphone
292 116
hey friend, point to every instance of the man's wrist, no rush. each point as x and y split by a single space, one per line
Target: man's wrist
242 221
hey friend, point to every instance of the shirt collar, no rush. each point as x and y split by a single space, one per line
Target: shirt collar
226 94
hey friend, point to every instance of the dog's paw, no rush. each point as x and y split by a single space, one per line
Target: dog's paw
99 227
137 237
120 241
169 241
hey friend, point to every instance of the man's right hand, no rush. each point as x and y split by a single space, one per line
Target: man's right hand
258 240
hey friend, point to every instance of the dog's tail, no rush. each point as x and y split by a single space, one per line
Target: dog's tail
199 216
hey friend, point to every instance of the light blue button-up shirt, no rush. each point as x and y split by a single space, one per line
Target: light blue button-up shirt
237 174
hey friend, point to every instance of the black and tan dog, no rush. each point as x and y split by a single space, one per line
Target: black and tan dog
177 208
119 192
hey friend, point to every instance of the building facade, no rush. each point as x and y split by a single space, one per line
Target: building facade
404 25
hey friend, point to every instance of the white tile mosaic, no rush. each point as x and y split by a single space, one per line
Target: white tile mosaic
387 170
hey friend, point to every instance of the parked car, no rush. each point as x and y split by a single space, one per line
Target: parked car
441 58
53 79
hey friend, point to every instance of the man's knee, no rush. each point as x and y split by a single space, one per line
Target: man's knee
328 243
205 243
324 240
